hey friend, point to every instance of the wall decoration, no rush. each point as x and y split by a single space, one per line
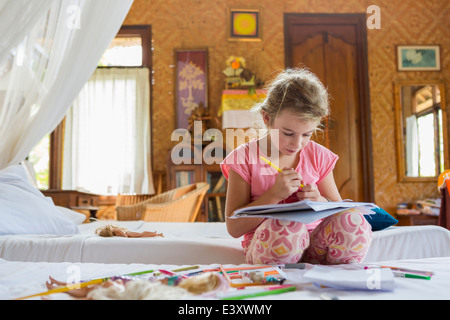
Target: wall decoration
191 83
418 58
244 25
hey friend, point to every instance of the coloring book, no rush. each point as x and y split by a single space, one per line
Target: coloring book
305 211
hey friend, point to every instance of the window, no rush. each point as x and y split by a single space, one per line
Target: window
426 120
130 49
425 128
123 51
107 134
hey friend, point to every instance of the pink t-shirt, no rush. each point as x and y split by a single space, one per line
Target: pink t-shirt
315 163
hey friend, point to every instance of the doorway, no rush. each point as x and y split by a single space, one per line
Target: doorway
334 47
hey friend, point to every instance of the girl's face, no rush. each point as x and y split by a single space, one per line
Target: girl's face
289 132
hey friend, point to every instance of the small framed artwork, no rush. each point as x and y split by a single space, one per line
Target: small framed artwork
244 25
418 58
191 83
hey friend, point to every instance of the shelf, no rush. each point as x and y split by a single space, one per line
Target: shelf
216 208
213 208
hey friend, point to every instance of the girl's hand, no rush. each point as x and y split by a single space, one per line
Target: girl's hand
310 192
287 182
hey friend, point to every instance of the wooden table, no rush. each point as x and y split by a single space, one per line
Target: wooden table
416 219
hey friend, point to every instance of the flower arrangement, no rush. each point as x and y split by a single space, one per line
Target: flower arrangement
237 75
235 66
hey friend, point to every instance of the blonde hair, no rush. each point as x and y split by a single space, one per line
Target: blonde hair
202 283
140 289
108 231
298 90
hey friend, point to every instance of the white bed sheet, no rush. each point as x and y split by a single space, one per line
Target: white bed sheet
197 243
19 279
409 242
183 243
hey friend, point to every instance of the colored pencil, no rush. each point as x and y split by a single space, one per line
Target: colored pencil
246 291
430 273
260 293
238 268
170 273
185 268
167 273
179 270
270 163
410 275
227 277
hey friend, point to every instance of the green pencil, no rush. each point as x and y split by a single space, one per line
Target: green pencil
263 292
139 273
179 270
410 275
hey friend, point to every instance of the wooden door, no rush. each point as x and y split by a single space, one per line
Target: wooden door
331 47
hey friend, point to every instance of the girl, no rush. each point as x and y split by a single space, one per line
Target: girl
295 104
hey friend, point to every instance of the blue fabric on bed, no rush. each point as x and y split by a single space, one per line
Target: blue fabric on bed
380 219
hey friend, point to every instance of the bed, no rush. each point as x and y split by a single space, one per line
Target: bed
183 243
194 243
33 229
20 279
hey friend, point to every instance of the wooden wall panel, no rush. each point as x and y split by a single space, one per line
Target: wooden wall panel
199 23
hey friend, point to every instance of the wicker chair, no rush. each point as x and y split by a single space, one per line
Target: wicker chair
129 199
177 205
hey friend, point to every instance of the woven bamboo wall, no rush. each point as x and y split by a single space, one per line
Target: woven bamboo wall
202 23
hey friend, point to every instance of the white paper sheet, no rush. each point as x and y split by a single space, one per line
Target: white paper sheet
361 279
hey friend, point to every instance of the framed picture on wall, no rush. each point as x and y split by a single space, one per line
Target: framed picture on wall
244 25
191 83
418 58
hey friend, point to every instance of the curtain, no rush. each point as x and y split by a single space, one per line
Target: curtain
16 19
444 213
107 134
48 50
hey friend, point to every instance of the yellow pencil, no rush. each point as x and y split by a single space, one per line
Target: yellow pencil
270 164
274 166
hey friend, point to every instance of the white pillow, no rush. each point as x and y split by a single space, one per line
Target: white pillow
75 217
25 210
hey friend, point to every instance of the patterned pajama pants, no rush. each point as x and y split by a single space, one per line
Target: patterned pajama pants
340 238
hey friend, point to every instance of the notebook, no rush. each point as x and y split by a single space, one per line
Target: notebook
305 211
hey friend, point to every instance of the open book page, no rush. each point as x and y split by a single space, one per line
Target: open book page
359 279
305 211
